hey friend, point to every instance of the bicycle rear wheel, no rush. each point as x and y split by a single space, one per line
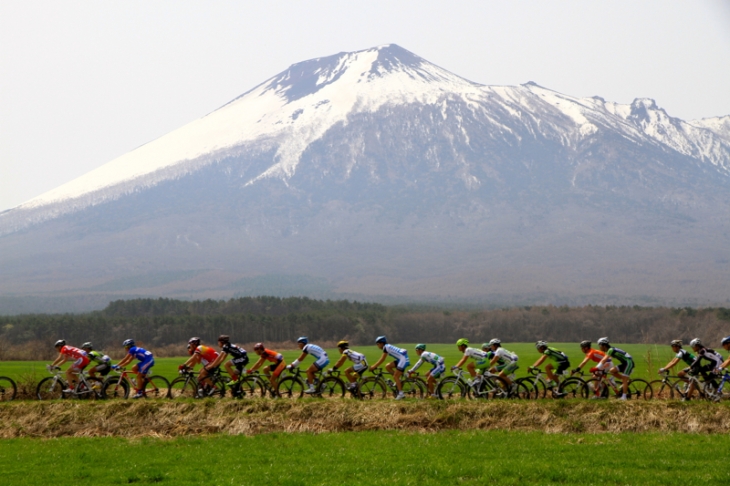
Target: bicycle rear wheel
115 388
249 387
331 388
639 390
290 387
451 388
661 390
84 393
184 387
412 388
573 388
8 389
372 388
534 393
50 388
157 387
493 387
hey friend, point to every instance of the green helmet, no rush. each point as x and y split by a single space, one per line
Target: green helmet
485 346
421 347
462 342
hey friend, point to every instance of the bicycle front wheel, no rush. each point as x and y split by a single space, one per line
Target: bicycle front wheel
597 389
184 387
372 388
412 388
91 391
115 388
8 389
290 387
50 388
573 388
530 385
157 387
661 390
639 390
519 391
451 388
249 387
332 388
493 387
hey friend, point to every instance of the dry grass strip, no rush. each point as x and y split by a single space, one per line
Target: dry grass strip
166 418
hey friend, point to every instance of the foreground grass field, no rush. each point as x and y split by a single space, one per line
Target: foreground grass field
648 358
451 457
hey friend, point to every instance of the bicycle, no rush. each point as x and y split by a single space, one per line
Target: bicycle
716 393
374 387
487 386
118 387
326 385
186 385
248 386
8 389
638 389
54 387
569 387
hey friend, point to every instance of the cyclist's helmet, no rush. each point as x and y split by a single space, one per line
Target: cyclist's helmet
421 347
540 344
343 344
128 343
695 342
258 347
485 346
194 341
725 340
676 342
495 342
224 338
60 342
87 345
462 342
302 340
585 344
604 341
381 339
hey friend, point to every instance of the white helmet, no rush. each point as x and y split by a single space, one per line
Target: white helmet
495 341
603 340
541 344
695 342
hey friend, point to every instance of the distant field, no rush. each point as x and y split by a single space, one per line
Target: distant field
642 353
451 457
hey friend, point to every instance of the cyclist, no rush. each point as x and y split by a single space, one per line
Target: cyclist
146 362
481 357
561 363
714 361
505 361
238 361
596 356
320 360
272 371
726 346
400 364
103 362
434 360
81 359
204 355
625 363
680 355
359 366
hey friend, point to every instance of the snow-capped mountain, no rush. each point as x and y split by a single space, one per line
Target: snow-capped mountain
311 164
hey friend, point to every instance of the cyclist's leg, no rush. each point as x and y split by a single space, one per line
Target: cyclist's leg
471 368
276 370
232 370
350 374
551 376
310 374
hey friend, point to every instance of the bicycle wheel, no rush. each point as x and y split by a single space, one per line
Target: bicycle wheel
411 388
115 388
331 388
451 388
372 388
572 388
248 387
290 387
214 387
90 392
184 387
493 387
639 390
157 387
661 390
50 388
8 389
538 387
519 391
597 389
530 385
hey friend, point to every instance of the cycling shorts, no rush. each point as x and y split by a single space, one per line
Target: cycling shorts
697 370
277 368
103 369
562 367
360 368
626 368
437 370
482 364
508 368
143 367
322 362
240 363
80 363
402 363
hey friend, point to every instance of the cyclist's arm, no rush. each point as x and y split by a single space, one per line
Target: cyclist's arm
461 361
62 358
192 361
725 364
539 361
494 360
671 363
583 363
603 361
125 361
296 362
257 365
219 360
416 366
379 362
340 362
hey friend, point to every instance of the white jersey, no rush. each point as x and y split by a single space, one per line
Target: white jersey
355 357
315 351
428 357
395 352
475 353
506 355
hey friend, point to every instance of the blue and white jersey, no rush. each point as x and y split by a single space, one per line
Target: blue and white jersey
315 351
397 353
140 353
428 357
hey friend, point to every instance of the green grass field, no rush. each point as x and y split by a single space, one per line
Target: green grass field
450 457
167 367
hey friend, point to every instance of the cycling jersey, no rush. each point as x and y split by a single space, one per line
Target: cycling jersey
428 357
140 353
715 359
207 354
558 356
314 350
235 352
596 355
475 353
355 357
621 356
98 357
505 355
272 356
686 356
73 352
400 355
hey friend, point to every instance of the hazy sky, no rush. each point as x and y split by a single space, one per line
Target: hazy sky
82 83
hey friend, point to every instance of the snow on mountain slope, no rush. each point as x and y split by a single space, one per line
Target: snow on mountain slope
292 110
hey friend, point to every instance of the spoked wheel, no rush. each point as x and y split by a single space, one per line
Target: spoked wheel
662 390
639 390
50 388
184 387
709 389
412 388
519 391
572 388
451 388
331 388
493 387
157 387
529 385
83 391
371 388
8 389
115 388
290 387
248 387
597 389
212 388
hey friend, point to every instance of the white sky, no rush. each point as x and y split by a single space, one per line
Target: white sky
82 83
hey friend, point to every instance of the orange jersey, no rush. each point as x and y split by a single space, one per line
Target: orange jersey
272 356
208 354
595 355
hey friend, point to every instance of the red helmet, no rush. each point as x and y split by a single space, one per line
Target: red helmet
258 347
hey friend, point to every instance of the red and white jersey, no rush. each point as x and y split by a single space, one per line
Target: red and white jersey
73 352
